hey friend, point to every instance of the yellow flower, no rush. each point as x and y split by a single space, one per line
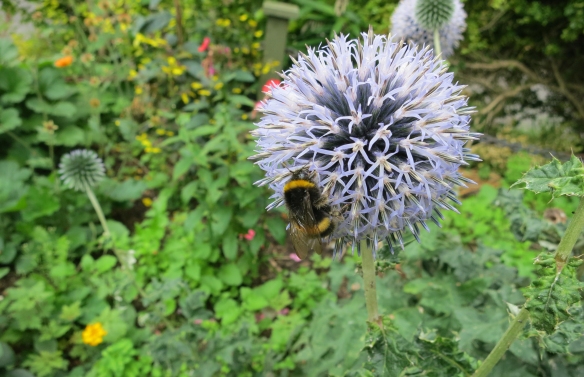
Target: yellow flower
258 33
138 90
245 50
169 133
117 123
256 45
218 86
204 92
185 98
244 116
93 334
243 18
252 23
133 73
156 150
196 85
236 50
147 202
236 90
160 131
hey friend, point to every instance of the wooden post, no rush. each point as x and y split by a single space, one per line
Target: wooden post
278 15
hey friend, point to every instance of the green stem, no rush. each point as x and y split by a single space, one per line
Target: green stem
98 210
504 343
369 281
569 239
437 49
120 257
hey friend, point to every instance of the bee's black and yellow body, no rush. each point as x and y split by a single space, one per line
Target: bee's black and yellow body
309 212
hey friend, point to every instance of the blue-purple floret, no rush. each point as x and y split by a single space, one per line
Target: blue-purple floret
405 26
382 125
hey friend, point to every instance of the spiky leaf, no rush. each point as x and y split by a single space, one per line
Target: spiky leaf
557 178
552 297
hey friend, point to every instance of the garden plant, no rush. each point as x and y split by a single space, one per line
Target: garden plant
370 213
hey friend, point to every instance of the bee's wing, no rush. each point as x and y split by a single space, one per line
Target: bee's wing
303 243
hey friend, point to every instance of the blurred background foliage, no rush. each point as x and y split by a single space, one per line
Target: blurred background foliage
165 92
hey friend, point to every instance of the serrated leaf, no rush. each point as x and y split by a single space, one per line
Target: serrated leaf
553 295
557 178
16 83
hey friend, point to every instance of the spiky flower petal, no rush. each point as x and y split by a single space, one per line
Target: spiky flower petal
380 124
415 21
81 168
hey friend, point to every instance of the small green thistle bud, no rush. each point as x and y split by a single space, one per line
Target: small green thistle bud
81 169
434 14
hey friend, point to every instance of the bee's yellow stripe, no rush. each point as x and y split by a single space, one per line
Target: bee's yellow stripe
298 183
323 225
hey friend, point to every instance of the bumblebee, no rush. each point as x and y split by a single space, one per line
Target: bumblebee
309 213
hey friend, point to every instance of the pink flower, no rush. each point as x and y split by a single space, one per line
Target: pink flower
295 257
205 44
198 321
211 71
285 311
249 235
272 83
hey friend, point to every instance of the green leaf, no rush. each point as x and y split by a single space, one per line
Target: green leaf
71 312
104 263
8 52
557 178
230 274
244 76
230 245
553 295
253 300
41 201
127 190
4 271
228 310
6 354
9 120
16 83
388 352
277 227
12 186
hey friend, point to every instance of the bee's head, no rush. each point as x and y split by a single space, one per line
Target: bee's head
304 174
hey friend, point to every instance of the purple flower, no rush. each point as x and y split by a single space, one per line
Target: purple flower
380 124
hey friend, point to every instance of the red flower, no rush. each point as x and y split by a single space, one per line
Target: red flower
250 235
205 44
269 85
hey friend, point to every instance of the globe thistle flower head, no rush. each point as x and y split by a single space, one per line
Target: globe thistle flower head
381 127
416 20
81 169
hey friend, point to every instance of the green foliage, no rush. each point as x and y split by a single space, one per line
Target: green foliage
556 178
552 297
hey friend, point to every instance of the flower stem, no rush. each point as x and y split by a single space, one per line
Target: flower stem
369 281
437 49
569 239
98 210
504 343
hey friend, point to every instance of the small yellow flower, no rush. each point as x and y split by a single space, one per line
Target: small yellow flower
256 45
204 92
160 131
196 85
185 98
245 50
236 90
236 50
50 126
147 202
215 78
133 73
93 334
252 23
169 133
244 116
138 90
117 123
218 86
243 17
258 34
156 150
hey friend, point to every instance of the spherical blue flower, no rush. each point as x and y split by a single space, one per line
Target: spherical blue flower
81 169
380 124
405 25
